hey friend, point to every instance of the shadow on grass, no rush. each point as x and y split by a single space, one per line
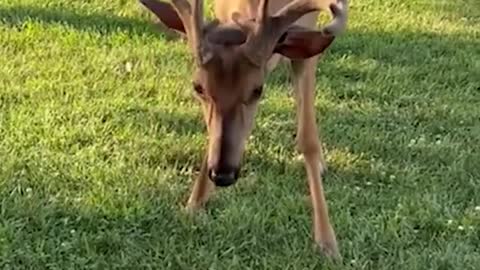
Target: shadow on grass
385 45
143 223
101 22
406 49
153 230
125 225
465 10
414 53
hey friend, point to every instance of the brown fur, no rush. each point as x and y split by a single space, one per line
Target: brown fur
233 56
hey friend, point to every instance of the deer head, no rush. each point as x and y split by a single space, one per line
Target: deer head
230 66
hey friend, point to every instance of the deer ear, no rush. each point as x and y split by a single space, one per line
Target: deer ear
165 13
300 43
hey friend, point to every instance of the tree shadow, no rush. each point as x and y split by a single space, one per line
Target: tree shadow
147 219
408 49
111 235
468 11
101 22
410 53
279 130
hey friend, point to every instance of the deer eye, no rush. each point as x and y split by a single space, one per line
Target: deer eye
256 93
198 89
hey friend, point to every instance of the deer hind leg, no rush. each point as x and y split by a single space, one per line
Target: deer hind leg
309 146
202 188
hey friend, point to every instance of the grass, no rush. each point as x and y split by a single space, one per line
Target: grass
99 138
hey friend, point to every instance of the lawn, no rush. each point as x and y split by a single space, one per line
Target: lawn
100 138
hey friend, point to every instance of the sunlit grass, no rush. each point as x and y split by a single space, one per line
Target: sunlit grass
100 140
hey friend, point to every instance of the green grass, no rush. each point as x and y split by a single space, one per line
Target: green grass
99 138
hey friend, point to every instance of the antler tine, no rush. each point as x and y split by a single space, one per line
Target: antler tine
255 47
262 12
340 15
193 23
262 42
292 12
204 54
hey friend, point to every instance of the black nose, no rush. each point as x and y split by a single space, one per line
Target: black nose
223 178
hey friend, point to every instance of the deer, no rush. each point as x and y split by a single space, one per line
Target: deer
233 53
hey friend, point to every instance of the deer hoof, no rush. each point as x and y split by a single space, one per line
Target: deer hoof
329 249
195 213
327 244
193 208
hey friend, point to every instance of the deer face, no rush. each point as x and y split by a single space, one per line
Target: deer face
228 88
231 65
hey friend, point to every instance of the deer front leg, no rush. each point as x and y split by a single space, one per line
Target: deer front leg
201 188
309 146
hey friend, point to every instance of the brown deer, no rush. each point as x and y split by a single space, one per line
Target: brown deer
233 53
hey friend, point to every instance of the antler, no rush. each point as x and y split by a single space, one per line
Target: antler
340 17
193 23
265 32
